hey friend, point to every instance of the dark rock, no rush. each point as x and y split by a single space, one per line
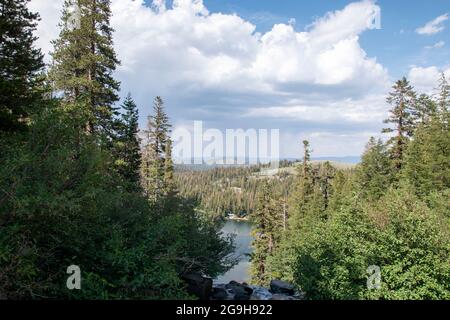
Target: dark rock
260 293
239 291
278 296
220 293
281 287
244 286
198 285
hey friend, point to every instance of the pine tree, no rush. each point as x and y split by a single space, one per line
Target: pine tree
443 99
169 179
306 158
128 144
304 190
326 174
425 109
154 158
374 174
84 61
403 102
427 157
267 221
20 64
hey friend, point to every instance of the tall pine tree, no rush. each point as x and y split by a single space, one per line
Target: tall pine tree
425 109
20 64
443 99
427 159
267 227
127 145
403 102
373 175
169 179
84 61
155 153
304 189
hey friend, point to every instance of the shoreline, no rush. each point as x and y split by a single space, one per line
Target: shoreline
238 219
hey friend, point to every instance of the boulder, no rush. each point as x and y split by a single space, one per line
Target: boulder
198 285
239 291
281 287
279 296
220 293
260 293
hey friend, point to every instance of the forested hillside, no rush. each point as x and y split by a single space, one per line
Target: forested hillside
233 190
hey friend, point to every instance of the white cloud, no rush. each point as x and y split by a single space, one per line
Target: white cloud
437 45
366 110
425 80
217 65
212 49
434 26
48 30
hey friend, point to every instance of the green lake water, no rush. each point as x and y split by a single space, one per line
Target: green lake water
243 240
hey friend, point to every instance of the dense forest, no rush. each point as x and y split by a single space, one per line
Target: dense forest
80 184
75 187
230 190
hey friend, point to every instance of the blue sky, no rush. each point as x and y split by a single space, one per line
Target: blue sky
312 69
396 45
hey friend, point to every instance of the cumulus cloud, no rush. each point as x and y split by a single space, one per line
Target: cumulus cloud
215 66
365 111
434 26
426 79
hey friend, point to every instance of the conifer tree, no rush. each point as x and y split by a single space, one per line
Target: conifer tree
128 144
326 174
427 159
425 109
169 179
154 162
373 175
306 158
20 64
403 102
443 99
304 190
84 61
268 221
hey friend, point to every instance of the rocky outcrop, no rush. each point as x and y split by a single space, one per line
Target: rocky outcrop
279 290
203 288
220 293
279 296
240 291
232 291
198 285
260 293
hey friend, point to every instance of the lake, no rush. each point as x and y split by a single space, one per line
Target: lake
243 241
